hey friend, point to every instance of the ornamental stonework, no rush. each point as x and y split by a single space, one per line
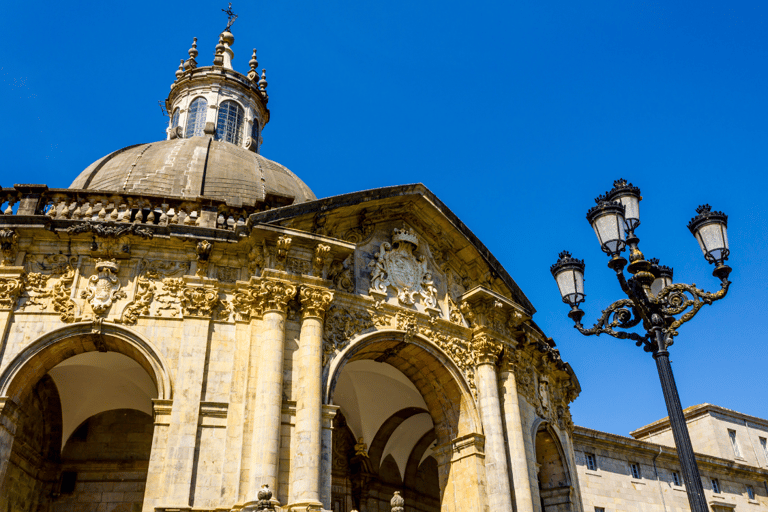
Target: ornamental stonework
397 266
260 295
10 289
200 301
103 288
8 247
314 301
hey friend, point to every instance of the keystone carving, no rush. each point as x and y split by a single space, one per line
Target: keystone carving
314 301
9 246
103 288
396 265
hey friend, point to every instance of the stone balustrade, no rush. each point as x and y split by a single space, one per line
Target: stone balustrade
83 205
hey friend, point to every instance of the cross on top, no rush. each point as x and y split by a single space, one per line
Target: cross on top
231 16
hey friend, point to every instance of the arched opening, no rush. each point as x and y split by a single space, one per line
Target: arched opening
196 118
403 407
84 423
229 126
555 488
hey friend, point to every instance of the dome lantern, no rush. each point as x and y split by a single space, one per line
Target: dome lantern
217 101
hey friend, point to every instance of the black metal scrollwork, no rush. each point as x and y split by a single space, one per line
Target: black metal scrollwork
621 314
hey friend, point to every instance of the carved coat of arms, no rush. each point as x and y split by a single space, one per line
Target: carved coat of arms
396 265
104 287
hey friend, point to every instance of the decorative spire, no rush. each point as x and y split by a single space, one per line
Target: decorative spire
253 73
231 16
218 56
191 62
263 82
180 71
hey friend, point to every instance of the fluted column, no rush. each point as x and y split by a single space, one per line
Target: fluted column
274 296
515 437
307 444
487 351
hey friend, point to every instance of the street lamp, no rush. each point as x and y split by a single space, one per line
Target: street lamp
652 298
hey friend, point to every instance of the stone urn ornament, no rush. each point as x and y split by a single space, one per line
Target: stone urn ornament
397 502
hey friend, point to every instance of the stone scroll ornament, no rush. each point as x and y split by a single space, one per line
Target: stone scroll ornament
396 265
104 287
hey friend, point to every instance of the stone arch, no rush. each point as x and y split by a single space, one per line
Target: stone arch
554 474
431 370
459 452
47 351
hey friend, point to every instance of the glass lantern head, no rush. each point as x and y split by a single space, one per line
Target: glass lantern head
663 275
607 219
569 275
710 230
629 196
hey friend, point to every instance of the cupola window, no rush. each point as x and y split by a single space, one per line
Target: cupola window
175 119
230 125
196 118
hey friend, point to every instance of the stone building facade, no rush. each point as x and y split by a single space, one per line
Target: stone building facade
187 327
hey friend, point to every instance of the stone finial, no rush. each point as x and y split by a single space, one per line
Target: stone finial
191 62
218 57
397 502
253 74
263 81
265 499
180 71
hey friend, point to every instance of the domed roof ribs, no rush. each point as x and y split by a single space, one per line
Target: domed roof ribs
103 162
205 166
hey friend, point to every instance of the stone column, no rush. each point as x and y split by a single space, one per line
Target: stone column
515 436
326 459
306 459
266 415
487 351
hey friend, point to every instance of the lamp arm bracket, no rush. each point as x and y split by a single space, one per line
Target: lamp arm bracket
621 314
683 298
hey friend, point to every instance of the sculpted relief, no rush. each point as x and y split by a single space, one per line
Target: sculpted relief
397 266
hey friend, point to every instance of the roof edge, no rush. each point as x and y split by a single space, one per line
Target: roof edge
414 189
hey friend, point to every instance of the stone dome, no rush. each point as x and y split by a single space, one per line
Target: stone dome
198 166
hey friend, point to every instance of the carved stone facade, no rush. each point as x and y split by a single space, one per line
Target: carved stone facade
360 352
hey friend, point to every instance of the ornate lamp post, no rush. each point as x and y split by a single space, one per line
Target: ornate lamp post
652 299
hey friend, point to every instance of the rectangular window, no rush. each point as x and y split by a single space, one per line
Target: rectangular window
599 509
676 478
591 463
764 444
750 492
635 468
715 486
734 443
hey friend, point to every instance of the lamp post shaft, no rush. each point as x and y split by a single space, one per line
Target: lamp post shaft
688 465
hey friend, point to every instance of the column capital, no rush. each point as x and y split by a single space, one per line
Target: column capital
314 301
486 348
260 295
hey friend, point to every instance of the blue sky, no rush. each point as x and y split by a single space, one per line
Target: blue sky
516 114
